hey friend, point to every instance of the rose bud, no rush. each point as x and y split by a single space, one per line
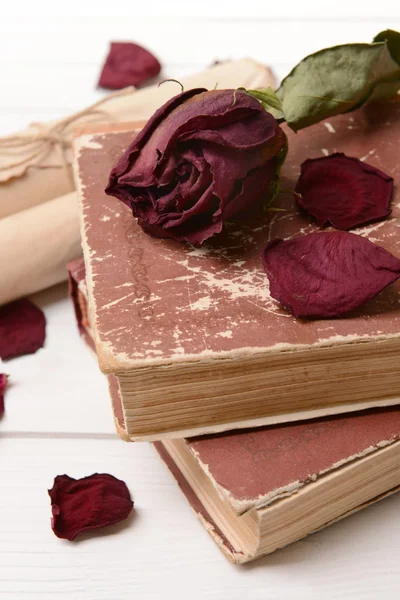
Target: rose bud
200 159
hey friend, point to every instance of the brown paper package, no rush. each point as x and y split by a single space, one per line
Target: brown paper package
39 228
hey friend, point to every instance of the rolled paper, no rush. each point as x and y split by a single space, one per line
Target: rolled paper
39 226
35 165
35 246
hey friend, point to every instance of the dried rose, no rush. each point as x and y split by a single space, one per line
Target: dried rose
22 328
201 158
327 274
3 385
88 503
127 64
343 191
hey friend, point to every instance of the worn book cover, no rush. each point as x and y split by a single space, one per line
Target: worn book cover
194 332
286 481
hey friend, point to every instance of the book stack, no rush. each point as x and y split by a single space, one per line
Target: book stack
273 427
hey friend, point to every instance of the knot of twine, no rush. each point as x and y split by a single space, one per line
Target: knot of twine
36 144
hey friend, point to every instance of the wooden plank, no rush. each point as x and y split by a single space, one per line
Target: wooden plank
163 552
162 540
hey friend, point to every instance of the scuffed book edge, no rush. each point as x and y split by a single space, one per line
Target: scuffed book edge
233 554
76 274
198 508
263 500
218 537
84 139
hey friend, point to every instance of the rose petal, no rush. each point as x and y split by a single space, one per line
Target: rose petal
88 503
127 64
327 274
218 111
228 165
231 128
3 385
142 174
255 185
343 191
22 328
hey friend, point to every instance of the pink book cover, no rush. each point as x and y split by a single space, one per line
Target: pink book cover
214 300
158 302
253 468
256 468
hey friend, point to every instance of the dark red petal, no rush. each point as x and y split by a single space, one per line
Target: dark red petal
327 274
3 385
228 166
343 191
127 64
88 503
22 328
127 167
213 117
255 187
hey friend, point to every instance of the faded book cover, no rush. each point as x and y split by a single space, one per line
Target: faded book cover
254 468
183 302
286 481
235 553
157 303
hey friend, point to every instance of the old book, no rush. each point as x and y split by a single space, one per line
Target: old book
195 341
258 490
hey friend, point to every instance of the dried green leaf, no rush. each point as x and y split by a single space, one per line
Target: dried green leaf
266 95
338 80
269 101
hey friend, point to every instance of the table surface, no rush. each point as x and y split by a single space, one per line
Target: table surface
58 417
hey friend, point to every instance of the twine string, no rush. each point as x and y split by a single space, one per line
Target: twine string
35 145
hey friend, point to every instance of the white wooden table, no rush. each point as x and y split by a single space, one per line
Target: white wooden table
48 67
